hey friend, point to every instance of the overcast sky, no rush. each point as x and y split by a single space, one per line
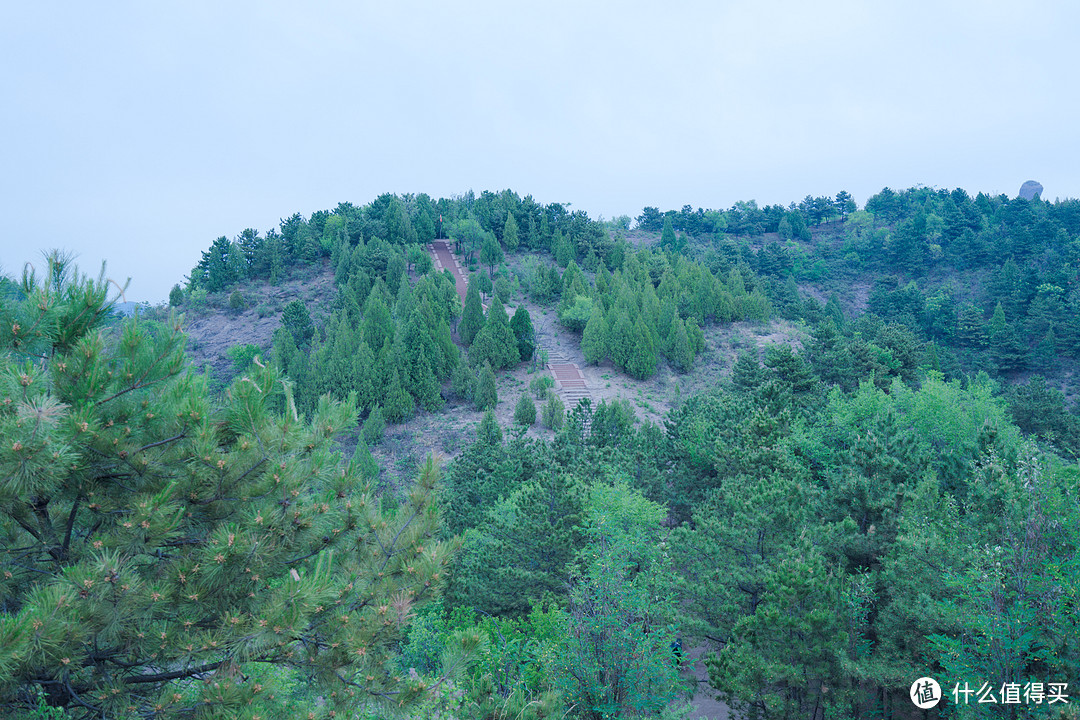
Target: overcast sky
137 132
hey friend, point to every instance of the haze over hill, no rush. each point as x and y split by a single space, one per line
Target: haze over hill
140 134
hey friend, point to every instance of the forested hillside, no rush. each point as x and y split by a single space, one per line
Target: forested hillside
883 490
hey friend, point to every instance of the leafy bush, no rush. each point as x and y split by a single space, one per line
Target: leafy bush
540 385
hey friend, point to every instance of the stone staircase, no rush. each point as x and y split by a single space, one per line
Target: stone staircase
569 382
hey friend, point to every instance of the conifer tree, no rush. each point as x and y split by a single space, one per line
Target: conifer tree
667 235
747 374
510 238
553 414
525 410
364 376
1005 349
490 253
374 427
159 549
463 382
416 350
495 343
297 321
621 341
488 432
487 391
472 315
398 404
594 337
643 358
521 325
682 355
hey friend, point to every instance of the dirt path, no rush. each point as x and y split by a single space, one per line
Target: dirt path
445 260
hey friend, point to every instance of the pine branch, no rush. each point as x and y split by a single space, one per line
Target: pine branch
174 438
70 526
174 675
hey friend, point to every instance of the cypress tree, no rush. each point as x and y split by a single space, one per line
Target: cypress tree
525 410
489 433
463 382
472 315
487 391
495 343
643 358
682 355
667 235
621 344
415 352
594 337
398 404
510 233
521 325
378 324
553 414
491 253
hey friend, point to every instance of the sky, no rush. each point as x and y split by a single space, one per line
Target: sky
138 132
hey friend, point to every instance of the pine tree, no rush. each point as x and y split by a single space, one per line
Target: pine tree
1005 348
159 550
487 391
472 315
297 321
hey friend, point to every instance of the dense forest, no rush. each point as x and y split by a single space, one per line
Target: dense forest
889 493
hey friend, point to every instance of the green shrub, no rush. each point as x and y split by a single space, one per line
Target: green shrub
525 411
236 301
540 386
553 414
374 427
242 356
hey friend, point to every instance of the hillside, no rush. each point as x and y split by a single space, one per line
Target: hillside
826 451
